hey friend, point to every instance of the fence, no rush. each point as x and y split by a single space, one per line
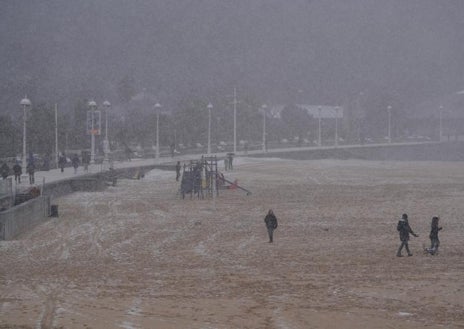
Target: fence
6 194
22 217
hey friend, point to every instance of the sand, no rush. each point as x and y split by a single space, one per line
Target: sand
138 256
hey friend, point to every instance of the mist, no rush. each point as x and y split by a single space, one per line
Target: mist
313 52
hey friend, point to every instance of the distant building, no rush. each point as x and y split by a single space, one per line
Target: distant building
324 111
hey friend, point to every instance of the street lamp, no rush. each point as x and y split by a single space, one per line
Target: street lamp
157 109
264 108
336 125
56 135
441 123
92 106
210 106
106 142
389 123
25 103
319 139
235 120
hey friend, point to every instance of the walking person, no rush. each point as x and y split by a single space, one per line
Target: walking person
271 224
86 160
178 167
5 170
62 161
404 229
31 171
173 149
17 170
435 242
230 157
75 162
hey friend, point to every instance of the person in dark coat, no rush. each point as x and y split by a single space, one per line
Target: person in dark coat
404 229
75 162
62 162
46 162
18 170
435 242
271 224
5 170
86 160
128 152
31 170
178 167
230 158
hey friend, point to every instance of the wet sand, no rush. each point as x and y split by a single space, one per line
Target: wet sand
137 256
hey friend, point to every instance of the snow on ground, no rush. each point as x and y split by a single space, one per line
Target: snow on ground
137 256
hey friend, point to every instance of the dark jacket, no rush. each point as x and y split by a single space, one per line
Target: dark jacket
404 229
271 221
5 170
62 161
75 161
30 168
17 169
434 230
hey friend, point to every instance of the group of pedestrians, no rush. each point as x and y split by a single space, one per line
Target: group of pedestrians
18 170
405 230
75 161
31 167
228 162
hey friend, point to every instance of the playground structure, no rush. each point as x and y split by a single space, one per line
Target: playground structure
201 178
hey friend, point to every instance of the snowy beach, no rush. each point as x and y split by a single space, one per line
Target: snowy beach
138 256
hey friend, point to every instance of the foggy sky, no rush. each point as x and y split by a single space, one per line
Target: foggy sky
316 52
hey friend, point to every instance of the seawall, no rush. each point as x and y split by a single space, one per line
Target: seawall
26 215
449 151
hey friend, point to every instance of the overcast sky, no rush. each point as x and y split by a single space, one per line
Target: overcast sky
319 51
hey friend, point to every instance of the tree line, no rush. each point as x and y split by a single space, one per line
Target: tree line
186 124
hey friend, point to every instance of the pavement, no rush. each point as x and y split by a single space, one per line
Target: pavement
52 175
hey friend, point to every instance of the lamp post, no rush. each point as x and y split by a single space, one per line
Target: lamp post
441 123
337 109
106 142
210 106
235 120
389 123
319 138
157 109
264 108
92 106
25 103
56 135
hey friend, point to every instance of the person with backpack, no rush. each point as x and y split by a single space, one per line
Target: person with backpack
404 230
